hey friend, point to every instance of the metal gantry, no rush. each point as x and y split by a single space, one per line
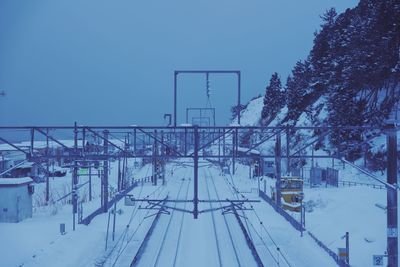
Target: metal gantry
207 73
159 144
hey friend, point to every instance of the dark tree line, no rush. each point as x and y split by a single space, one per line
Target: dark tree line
354 64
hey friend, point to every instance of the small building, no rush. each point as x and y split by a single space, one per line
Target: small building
29 169
10 158
268 167
317 175
329 175
15 199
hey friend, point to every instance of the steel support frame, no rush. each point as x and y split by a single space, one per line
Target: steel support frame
201 109
207 72
196 173
189 132
392 223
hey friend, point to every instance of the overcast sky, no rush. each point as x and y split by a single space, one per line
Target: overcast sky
112 62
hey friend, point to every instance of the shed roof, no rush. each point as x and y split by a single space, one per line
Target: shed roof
15 181
25 165
252 151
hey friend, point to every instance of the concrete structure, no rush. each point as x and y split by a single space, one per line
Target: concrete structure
27 169
15 199
317 175
10 158
268 167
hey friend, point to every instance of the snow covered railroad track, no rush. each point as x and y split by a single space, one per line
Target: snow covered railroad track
163 238
167 232
235 252
138 222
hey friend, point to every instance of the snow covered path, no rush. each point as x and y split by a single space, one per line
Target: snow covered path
213 239
271 231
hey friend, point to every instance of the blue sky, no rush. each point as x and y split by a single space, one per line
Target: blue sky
112 62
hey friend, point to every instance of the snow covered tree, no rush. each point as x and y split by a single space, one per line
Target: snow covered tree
274 99
297 88
329 17
345 110
353 70
235 110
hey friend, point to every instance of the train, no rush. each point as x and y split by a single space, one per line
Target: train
292 193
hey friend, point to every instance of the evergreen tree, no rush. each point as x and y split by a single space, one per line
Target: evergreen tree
353 68
274 99
297 88
236 110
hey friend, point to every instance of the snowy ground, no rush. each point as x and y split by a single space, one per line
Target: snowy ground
212 240
331 212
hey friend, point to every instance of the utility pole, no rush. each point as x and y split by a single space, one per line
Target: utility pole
105 172
47 167
155 159
278 156
288 171
392 231
75 178
233 151
196 172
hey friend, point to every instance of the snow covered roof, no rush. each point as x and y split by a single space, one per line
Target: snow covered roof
15 181
244 149
25 165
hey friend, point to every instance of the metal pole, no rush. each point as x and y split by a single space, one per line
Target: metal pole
125 166
233 151
347 248
236 144
219 146
162 158
119 174
392 231
196 172
214 116
301 219
223 143
155 164
108 226
115 213
105 173
175 98
162 142
83 140
75 178
134 141
312 156
185 142
287 151
32 140
278 155
239 80
90 182
47 167
250 176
